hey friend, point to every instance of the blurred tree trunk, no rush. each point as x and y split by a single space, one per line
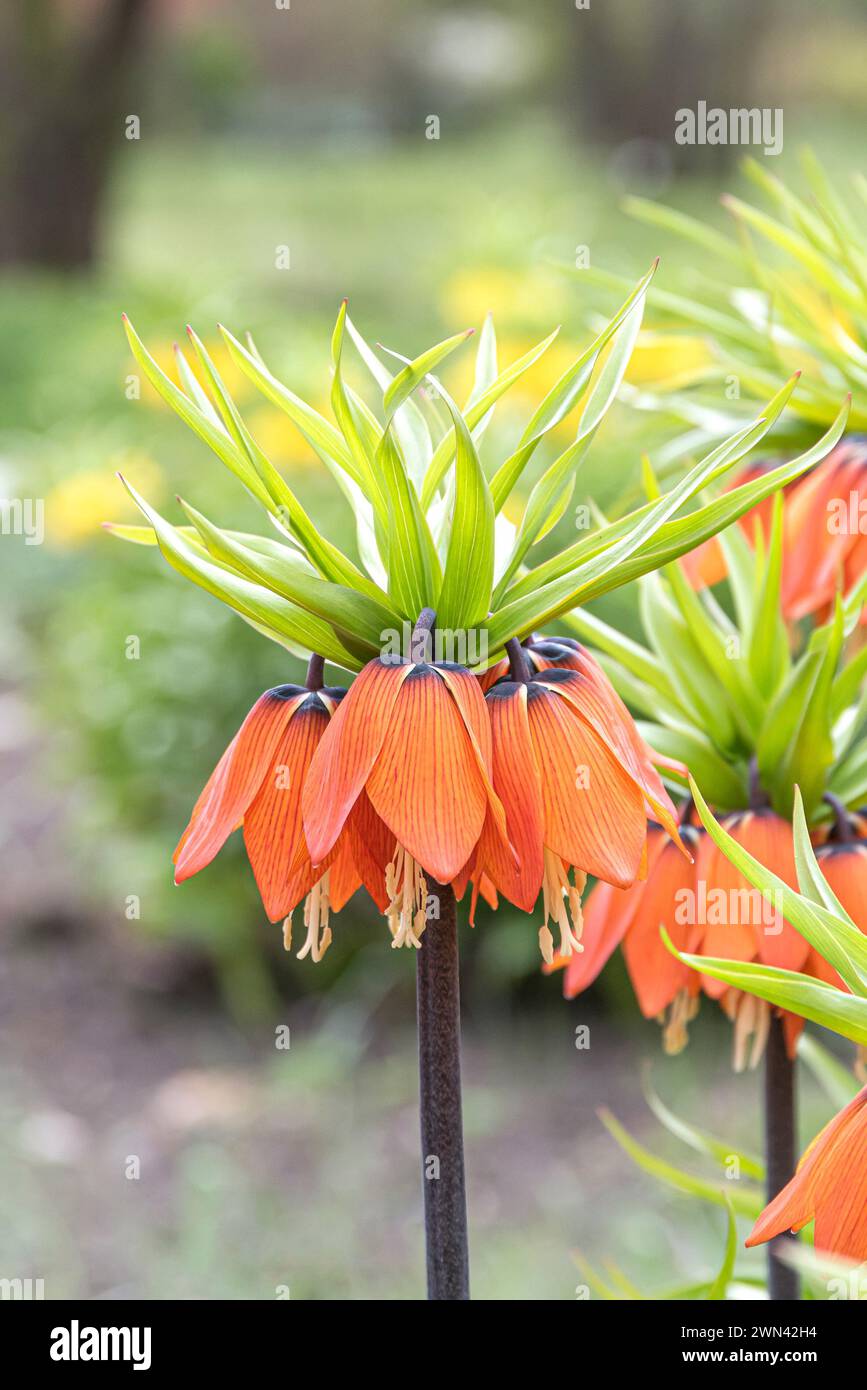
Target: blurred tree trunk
631 67
62 92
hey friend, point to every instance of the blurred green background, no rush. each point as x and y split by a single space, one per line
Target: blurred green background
149 1030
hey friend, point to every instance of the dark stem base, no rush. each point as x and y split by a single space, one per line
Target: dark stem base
442 1138
780 1150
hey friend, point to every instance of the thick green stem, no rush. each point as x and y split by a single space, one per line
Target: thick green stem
442 1137
780 1150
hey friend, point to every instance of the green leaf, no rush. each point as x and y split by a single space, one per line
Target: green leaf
413 567
331 562
608 569
821 269
683 533
319 433
414 373
724 669
836 939
632 655
601 396
360 431
468 578
477 413
825 1272
566 392
719 1150
768 647
355 617
723 781
719 1287
746 1199
698 688
272 614
837 1081
658 215
800 994
410 427
203 424
796 744
811 880
593 1280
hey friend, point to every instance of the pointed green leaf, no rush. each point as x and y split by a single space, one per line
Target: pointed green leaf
274 616
468 578
835 938
719 1288
354 616
746 1199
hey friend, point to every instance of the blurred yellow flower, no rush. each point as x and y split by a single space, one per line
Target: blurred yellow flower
513 299
76 507
667 359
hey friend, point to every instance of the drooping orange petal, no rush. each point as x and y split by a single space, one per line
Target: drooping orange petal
706 565
347 753
595 700
719 909
372 846
841 1185
426 783
844 865
343 877
830 1185
593 810
474 712
668 900
608 914
492 675
769 839
814 553
273 832
516 780
235 780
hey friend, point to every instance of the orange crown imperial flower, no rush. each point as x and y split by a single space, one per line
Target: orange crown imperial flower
708 909
400 781
576 781
830 1188
824 532
411 745
257 784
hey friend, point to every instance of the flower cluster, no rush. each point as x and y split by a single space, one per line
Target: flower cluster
824 533
520 782
709 908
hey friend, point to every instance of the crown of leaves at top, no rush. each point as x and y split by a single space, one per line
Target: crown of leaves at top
722 691
796 297
429 516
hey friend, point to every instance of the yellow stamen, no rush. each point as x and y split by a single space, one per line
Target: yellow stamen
752 1020
406 887
562 903
317 910
683 1009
